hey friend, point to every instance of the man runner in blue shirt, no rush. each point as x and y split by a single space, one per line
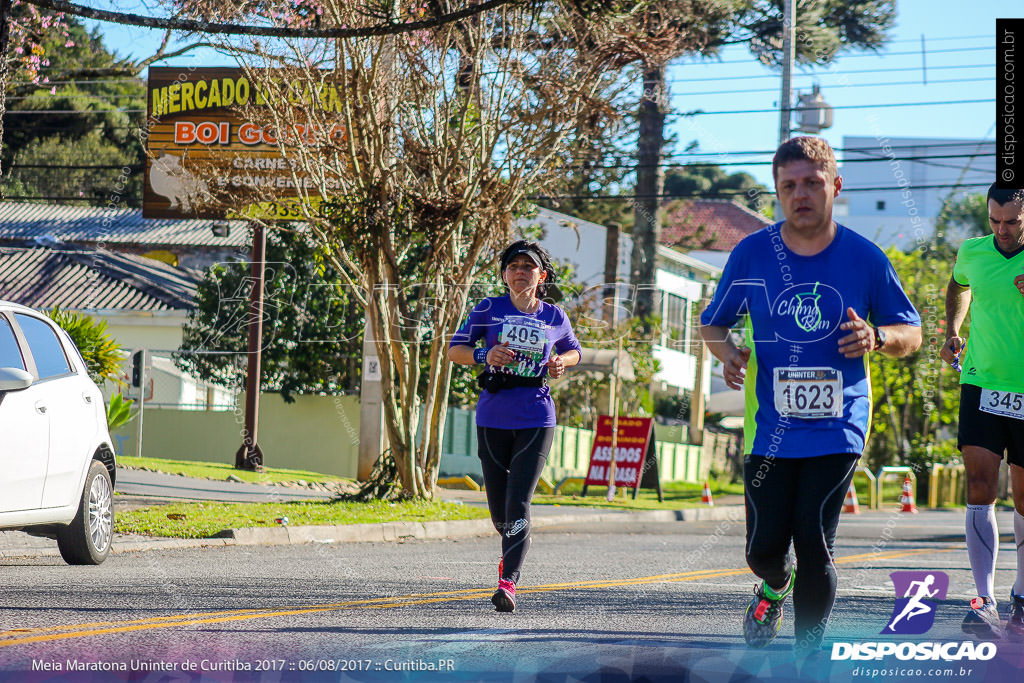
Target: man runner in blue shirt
816 298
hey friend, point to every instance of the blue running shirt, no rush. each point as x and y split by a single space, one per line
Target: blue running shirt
793 306
532 336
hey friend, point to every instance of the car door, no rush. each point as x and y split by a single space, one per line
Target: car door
72 417
24 433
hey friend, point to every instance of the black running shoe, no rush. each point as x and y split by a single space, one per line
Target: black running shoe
983 620
1015 624
763 617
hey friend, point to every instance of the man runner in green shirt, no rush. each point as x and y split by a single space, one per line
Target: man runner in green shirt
988 277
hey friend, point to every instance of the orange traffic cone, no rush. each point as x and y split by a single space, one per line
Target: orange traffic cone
907 498
851 504
706 496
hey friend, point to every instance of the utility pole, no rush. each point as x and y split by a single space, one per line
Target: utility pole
788 58
249 456
372 435
786 97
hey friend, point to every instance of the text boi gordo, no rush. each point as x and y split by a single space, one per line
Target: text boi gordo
219 133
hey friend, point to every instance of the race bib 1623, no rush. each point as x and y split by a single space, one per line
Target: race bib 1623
809 393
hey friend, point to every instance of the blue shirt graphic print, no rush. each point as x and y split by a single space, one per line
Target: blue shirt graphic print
793 307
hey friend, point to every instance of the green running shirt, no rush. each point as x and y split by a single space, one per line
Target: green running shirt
995 347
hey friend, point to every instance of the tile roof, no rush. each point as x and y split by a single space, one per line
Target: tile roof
711 224
93 224
89 279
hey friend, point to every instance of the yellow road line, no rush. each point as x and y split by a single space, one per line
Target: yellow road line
368 602
52 633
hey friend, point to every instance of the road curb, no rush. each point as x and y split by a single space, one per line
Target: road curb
461 528
380 532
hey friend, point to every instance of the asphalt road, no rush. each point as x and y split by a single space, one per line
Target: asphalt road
625 601
157 485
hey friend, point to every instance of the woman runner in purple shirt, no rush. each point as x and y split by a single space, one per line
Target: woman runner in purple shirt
522 340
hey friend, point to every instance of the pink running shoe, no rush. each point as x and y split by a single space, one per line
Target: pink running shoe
504 598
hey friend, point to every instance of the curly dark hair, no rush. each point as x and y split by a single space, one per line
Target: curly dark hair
547 290
1001 195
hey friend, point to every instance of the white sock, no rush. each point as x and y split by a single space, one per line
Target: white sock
1018 537
982 547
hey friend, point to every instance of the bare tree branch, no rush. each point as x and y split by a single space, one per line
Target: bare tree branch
199 26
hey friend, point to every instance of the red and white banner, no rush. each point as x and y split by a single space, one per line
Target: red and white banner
633 440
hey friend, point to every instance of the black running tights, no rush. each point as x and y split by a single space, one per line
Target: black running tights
797 500
512 460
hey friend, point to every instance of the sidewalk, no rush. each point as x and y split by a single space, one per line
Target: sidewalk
136 488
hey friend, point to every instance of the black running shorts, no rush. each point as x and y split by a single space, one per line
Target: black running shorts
996 433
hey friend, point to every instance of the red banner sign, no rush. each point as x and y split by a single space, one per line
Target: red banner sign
634 438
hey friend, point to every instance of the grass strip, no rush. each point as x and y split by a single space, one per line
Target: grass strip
204 520
221 471
677 494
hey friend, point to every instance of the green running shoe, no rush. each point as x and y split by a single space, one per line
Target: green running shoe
763 617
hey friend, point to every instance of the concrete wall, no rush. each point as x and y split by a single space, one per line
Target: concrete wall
316 433
321 434
570 451
140 330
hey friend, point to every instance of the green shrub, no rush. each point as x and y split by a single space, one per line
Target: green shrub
100 352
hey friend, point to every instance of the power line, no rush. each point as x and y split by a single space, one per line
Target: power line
877 54
75 111
873 159
920 159
593 197
99 197
693 113
846 106
873 148
736 193
84 81
940 39
71 96
846 85
79 167
832 73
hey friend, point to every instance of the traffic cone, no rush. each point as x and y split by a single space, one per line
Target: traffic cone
851 504
706 496
907 498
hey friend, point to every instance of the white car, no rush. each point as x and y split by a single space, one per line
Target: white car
57 467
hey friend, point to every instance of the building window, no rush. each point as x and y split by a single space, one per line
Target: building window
880 205
675 316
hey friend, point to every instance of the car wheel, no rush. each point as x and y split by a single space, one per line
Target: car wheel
87 539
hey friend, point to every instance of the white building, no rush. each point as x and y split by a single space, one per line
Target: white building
681 280
894 188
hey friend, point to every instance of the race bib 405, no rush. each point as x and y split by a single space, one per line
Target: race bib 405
527 337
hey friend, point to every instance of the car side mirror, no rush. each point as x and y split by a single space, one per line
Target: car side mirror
14 379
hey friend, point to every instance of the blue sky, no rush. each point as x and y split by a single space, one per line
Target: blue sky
959 59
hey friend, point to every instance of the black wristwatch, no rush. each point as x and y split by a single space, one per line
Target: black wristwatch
879 337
